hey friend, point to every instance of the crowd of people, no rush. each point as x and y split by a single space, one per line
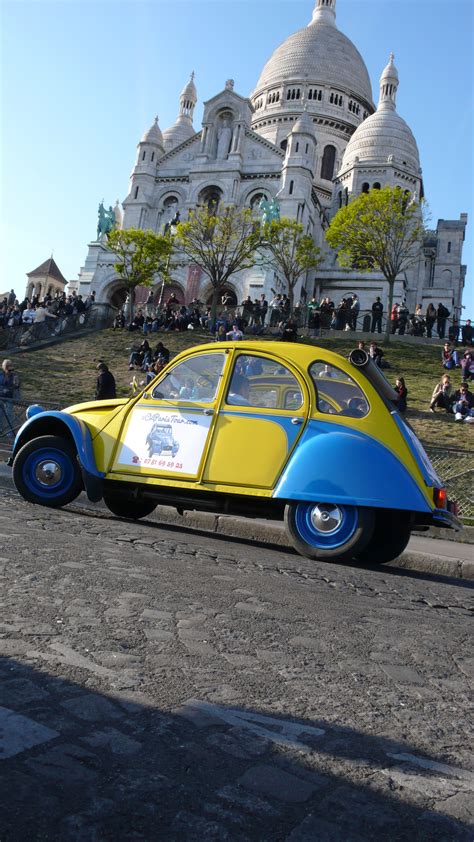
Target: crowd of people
250 317
253 316
36 310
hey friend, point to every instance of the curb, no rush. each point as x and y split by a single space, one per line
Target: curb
273 533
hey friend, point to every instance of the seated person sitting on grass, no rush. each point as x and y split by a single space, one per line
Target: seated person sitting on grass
234 335
442 394
402 393
137 322
289 331
141 356
467 365
449 357
119 321
463 403
161 353
376 354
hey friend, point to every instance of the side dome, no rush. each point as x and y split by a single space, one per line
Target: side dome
153 134
181 130
384 135
380 136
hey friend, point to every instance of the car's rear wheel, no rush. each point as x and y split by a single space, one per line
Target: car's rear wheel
328 531
122 507
390 537
46 471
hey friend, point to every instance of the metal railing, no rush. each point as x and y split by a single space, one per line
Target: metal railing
12 416
22 336
330 322
455 467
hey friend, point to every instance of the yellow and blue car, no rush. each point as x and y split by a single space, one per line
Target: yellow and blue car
259 429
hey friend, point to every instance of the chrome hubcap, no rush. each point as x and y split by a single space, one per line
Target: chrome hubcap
326 517
48 472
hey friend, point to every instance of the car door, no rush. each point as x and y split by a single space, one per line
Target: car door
261 417
167 431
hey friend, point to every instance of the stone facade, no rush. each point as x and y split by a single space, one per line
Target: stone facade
309 135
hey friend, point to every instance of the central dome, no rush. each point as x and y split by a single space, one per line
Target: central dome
318 54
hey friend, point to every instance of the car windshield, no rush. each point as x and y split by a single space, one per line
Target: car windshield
194 380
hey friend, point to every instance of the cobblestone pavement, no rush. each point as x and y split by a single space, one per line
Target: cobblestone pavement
161 685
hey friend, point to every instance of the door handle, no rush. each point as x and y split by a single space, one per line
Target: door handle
297 420
208 411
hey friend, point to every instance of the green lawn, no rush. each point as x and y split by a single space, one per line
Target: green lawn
66 374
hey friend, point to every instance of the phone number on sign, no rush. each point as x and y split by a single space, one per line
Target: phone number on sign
157 463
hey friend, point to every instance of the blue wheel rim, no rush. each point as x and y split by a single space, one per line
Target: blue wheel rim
325 525
48 473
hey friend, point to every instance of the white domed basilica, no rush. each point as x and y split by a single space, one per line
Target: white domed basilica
310 135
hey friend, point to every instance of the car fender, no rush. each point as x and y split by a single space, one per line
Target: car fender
56 423
347 466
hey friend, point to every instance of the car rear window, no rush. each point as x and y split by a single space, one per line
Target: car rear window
336 392
264 383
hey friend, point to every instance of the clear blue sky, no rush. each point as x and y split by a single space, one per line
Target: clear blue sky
81 81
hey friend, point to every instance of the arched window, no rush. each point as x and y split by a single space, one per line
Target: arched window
376 186
297 147
210 198
346 196
256 199
152 156
284 144
449 248
327 164
136 193
365 187
339 198
144 156
291 187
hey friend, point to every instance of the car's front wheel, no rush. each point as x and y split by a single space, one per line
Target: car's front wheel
122 507
46 471
328 531
390 537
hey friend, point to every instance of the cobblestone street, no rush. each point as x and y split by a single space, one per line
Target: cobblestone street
163 684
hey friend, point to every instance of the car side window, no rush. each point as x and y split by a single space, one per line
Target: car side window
336 392
264 383
195 380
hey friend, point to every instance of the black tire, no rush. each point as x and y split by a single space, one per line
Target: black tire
391 536
328 532
134 509
46 471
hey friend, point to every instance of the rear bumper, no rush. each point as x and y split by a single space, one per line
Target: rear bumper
446 520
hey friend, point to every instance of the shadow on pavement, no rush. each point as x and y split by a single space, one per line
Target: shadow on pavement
79 764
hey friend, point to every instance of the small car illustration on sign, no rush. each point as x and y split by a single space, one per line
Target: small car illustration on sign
261 429
160 438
